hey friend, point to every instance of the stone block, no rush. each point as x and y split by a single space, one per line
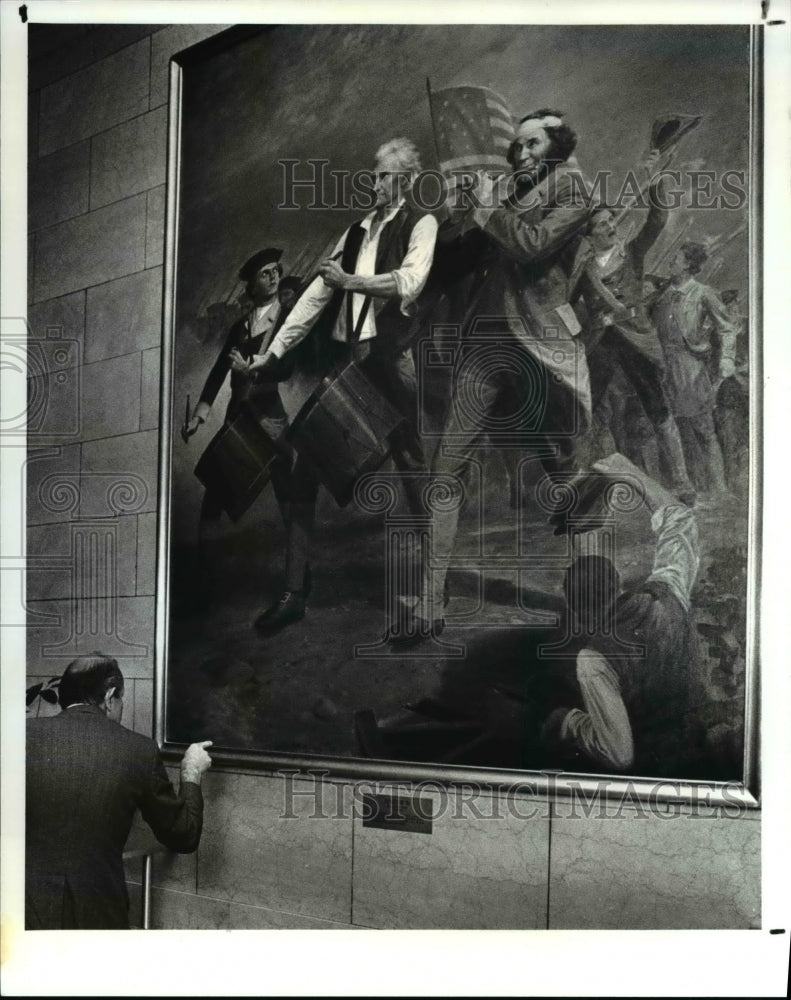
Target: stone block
129 158
155 227
111 397
124 315
58 186
90 249
119 475
95 98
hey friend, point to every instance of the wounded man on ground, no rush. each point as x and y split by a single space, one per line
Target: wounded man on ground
634 652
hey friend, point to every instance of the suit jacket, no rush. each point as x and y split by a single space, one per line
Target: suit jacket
86 776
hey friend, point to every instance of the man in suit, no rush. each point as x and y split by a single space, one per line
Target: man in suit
86 775
361 308
249 336
521 374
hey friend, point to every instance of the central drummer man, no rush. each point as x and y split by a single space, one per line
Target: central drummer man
364 300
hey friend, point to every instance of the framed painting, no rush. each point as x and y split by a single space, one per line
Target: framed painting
460 422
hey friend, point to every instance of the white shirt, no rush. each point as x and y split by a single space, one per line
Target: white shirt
603 258
261 321
410 277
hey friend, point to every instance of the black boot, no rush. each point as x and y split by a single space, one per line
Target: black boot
289 609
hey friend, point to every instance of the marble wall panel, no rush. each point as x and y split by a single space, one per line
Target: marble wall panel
655 873
483 866
251 853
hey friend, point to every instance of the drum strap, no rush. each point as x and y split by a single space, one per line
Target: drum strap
353 335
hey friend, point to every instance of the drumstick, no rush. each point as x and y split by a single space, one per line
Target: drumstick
184 435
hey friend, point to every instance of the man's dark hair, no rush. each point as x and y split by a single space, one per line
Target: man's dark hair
564 138
695 255
88 679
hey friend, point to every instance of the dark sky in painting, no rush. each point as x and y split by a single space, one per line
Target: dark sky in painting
338 91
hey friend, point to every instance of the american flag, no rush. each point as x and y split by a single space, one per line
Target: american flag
473 128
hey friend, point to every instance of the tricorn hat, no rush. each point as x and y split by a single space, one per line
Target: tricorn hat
248 270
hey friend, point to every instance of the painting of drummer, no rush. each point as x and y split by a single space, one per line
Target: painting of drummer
361 307
262 275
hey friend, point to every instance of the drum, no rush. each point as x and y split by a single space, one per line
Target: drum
343 430
236 463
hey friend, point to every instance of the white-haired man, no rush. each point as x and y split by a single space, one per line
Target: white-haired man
362 305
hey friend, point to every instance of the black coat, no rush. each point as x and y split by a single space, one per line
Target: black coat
256 390
86 776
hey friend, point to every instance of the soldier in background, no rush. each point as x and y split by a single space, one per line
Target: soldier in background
699 342
618 334
732 412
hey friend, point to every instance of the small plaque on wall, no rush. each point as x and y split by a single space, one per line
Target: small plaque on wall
407 813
